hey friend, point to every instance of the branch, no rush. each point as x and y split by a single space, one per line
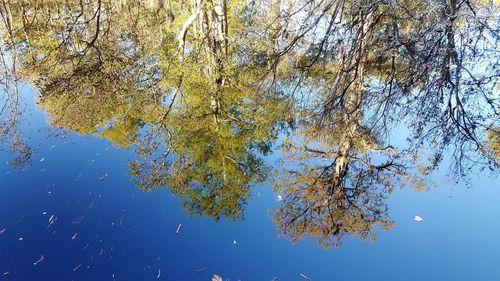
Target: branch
185 28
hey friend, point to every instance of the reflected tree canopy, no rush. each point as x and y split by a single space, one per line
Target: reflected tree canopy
117 70
11 108
203 90
494 142
329 195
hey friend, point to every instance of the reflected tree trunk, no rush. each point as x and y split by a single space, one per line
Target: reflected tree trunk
354 89
209 21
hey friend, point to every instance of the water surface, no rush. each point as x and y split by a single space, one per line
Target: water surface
132 153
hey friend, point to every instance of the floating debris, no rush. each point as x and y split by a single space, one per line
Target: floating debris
178 228
305 276
43 159
42 257
52 220
77 267
418 218
78 177
200 269
103 177
51 147
216 278
3 231
74 236
234 242
159 274
44 213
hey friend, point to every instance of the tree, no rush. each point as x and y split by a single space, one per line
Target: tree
494 142
12 138
91 66
370 64
429 65
203 89
100 73
323 200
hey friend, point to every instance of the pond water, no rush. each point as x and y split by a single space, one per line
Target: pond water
108 229
159 140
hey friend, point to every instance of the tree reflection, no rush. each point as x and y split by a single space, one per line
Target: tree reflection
11 107
321 200
377 65
92 72
202 89
494 142
194 117
212 156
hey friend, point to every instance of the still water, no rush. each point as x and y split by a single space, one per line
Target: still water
166 140
108 229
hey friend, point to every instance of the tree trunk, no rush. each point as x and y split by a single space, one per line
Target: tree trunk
209 21
354 93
